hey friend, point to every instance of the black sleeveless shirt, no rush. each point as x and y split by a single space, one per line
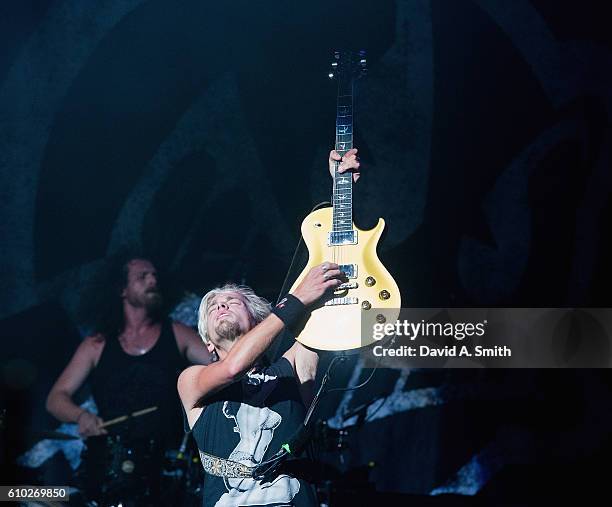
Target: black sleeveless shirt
248 422
122 384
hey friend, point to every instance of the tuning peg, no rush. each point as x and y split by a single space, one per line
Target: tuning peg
363 63
332 72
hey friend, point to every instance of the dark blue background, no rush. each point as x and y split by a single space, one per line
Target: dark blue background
200 130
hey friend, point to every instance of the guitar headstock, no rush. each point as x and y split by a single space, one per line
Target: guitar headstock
348 65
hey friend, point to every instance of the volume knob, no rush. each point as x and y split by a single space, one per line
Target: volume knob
366 305
369 281
384 294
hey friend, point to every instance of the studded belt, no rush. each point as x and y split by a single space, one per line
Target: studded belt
221 467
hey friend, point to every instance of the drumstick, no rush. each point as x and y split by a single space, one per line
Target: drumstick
143 411
114 421
126 417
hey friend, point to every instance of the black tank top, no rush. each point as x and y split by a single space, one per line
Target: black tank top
122 384
247 422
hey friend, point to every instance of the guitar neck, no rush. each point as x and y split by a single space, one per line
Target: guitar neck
342 198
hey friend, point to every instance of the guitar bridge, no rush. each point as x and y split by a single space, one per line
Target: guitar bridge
342 301
347 285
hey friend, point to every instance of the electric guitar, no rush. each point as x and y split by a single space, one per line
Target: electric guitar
344 320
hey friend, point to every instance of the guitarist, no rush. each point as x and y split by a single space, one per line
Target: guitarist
240 411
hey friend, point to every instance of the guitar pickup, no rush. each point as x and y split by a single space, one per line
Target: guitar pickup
336 238
350 270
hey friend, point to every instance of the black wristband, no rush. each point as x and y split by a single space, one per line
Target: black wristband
290 310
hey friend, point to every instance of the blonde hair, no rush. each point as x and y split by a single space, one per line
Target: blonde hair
258 307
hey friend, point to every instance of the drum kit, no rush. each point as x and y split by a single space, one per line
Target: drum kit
117 472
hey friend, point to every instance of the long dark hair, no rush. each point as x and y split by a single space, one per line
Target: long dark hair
101 307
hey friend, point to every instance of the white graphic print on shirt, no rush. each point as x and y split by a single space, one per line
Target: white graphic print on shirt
255 425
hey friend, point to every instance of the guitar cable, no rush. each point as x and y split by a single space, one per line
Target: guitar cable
266 470
296 444
323 204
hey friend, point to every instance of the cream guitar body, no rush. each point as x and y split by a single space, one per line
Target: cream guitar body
369 296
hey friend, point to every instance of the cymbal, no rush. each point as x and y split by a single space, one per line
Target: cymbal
54 435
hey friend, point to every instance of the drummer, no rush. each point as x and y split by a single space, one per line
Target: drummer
132 360
133 357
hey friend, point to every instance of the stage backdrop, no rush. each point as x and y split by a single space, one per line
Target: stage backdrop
199 131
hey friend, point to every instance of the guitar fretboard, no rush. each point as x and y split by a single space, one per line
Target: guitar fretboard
342 198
